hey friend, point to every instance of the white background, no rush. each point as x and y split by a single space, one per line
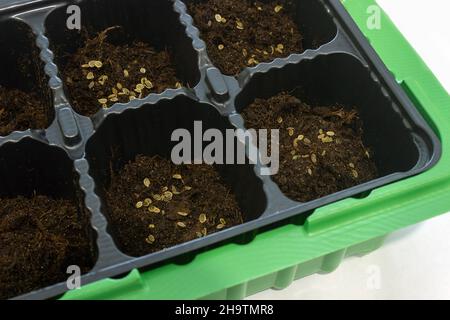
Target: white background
414 263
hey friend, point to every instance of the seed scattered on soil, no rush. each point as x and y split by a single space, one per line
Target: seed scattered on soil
303 175
154 209
124 64
202 218
150 239
185 193
252 32
139 204
278 8
147 182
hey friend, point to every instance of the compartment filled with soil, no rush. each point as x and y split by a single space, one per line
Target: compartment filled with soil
241 34
44 226
131 50
154 204
25 101
39 238
321 147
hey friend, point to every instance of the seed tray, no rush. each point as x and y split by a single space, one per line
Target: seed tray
344 69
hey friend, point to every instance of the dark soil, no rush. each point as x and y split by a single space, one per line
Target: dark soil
39 238
125 72
142 228
249 32
20 111
321 147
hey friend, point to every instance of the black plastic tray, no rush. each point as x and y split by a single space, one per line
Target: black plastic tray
75 151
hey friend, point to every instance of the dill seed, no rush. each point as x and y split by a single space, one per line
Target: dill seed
222 221
181 224
300 137
168 196
244 52
150 239
355 173
154 209
103 101
295 157
147 83
177 176
218 18
205 231
98 64
126 73
187 188
220 226
330 133
174 190
164 189
91 64
280 120
178 85
142 70
202 218
239 25
119 86
307 141
220 47
314 158
114 99
327 140
279 48
278 8
147 182
139 88
147 202
367 154
91 84
157 197
183 214
310 171
86 65
252 61
102 79
291 131
139 204
351 165
90 76
151 226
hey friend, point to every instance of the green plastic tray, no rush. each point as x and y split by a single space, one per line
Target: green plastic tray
351 227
